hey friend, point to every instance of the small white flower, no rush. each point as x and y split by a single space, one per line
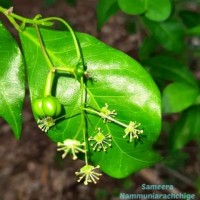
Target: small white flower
45 123
100 141
132 131
105 113
87 172
69 145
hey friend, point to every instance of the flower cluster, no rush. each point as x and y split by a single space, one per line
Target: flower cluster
105 113
45 123
100 141
73 146
87 172
132 131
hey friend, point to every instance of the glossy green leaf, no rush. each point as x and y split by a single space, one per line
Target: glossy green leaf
169 34
155 10
187 128
190 18
169 69
120 82
105 9
194 31
178 96
12 81
158 10
135 7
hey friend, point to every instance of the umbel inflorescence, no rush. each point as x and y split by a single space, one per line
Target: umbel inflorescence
100 141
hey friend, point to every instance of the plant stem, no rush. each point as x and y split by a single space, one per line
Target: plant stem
8 13
105 116
83 119
46 56
67 70
11 16
49 83
78 52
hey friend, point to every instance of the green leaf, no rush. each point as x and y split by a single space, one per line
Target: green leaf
176 159
187 128
105 9
169 34
12 81
120 82
131 26
194 31
158 10
6 3
49 2
190 18
178 96
170 69
146 48
131 7
155 10
71 2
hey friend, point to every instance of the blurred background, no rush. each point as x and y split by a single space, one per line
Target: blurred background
31 169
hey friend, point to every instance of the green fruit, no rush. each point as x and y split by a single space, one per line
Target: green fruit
48 106
59 108
37 107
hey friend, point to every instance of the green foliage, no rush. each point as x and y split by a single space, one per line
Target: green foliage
194 31
6 3
155 10
134 8
158 10
71 2
169 34
187 128
178 96
190 18
176 159
169 50
168 68
49 2
111 107
184 86
114 79
106 9
53 2
147 47
12 81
